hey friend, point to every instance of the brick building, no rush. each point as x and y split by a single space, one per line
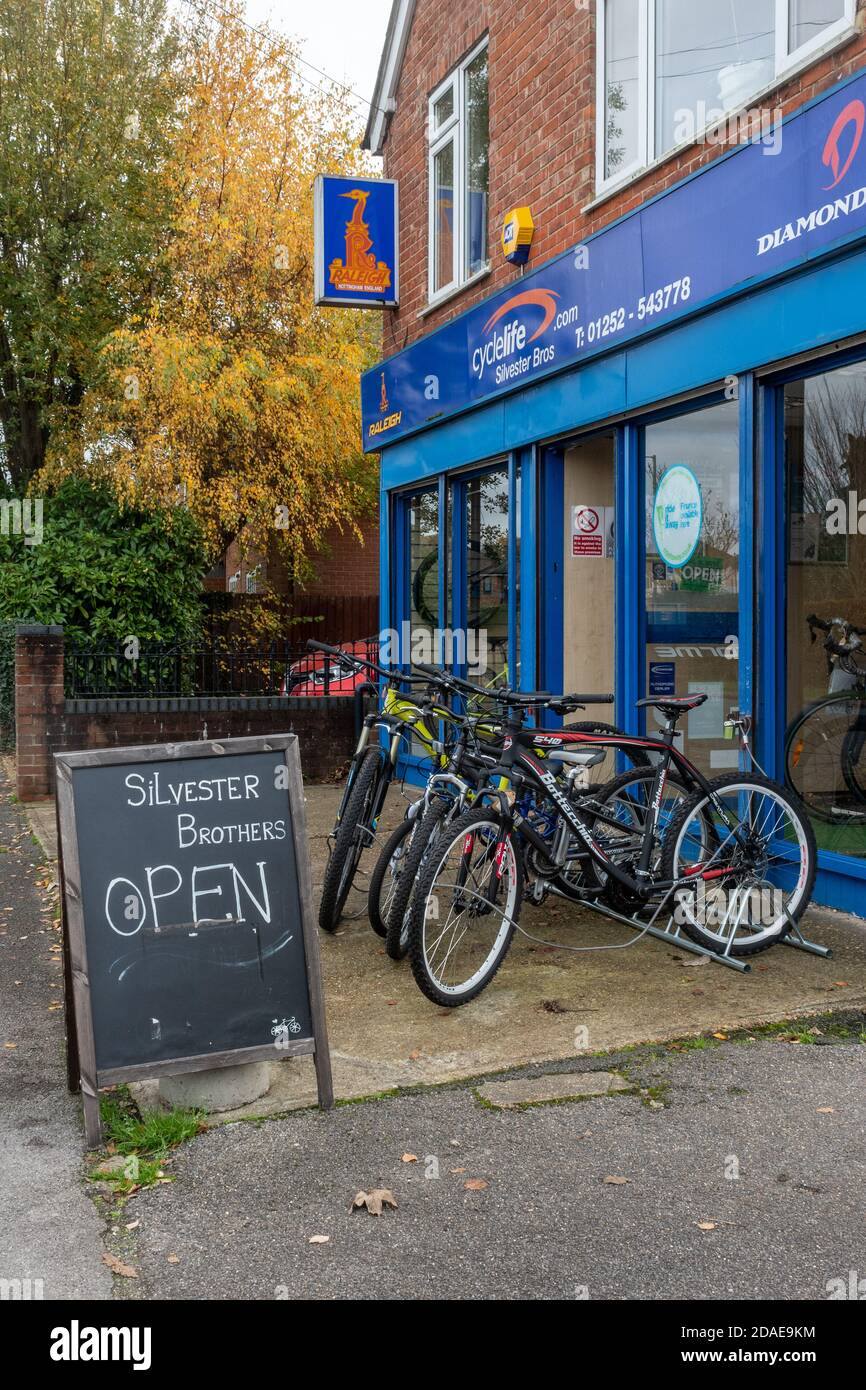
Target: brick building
624 462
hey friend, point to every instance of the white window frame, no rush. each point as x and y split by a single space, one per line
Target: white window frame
451 130
786 64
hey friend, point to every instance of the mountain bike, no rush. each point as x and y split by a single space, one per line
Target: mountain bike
371 772
447 794
730 838
825 745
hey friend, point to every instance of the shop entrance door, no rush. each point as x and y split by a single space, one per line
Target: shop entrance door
588 581
691 465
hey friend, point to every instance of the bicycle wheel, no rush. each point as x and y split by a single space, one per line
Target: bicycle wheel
397 924
387 874
465 908
824 762
761 854
627 800
352 838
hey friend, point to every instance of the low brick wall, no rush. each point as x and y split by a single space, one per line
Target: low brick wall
47 723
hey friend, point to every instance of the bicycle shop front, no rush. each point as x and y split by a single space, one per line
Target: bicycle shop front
642 468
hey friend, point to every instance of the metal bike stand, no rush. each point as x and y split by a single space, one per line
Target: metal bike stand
674 938
799 942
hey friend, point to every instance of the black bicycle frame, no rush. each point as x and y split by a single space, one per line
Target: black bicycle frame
517 755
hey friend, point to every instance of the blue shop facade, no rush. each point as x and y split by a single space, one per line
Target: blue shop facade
642 468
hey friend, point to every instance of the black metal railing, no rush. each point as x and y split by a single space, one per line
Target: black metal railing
212 669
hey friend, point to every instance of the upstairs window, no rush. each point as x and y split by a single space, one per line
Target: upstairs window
458 171
668 69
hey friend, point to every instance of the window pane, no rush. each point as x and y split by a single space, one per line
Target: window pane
476 163
443 109
692 594
825 740
809 17
709 59
621 85
487 575
443 216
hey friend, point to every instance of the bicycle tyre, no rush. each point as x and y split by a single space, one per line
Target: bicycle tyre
348 844
376 909
469 822
397 928
670 867
813 804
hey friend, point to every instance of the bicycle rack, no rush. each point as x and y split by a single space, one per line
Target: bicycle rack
674 936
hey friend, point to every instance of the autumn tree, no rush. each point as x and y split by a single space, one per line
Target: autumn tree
233 391
88 91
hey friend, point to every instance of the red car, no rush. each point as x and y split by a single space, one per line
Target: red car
320 674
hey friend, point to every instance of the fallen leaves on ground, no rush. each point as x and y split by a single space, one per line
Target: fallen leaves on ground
475 1184
118 1267
409 1158
706 1225
374 1201
616 1181
825 1110
318 1240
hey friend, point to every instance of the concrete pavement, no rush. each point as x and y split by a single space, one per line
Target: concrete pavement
49 1230
545 1004
746 1182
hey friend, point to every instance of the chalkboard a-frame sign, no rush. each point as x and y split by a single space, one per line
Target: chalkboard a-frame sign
189 934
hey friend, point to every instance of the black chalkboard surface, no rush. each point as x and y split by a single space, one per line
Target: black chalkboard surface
187 890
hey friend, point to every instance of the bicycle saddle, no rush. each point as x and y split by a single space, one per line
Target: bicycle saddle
672 705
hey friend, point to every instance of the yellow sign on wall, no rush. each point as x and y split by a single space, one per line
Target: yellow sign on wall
517 232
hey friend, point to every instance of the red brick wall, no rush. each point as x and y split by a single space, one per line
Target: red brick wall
344 567
542 135
46 723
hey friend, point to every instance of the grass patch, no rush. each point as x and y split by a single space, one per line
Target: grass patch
150 1135
145 1141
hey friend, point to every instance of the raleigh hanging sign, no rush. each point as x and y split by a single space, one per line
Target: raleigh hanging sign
750 216
356 242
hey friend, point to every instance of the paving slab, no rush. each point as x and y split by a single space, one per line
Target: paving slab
557 997
541 1090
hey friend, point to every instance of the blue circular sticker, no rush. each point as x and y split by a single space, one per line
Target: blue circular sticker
678 515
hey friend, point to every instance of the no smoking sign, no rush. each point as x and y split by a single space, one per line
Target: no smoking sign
589 528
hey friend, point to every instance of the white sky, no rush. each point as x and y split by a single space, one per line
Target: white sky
342 37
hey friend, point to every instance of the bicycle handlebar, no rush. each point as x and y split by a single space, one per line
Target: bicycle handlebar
361 662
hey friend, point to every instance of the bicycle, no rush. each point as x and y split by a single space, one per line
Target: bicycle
824 744
371 771
733 835
447 794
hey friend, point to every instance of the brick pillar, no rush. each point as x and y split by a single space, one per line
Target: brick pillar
38 703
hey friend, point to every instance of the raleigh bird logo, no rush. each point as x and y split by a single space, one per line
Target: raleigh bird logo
512 338
854 115
361 271
389 421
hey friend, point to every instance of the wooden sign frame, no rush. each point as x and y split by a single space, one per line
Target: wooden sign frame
82 1068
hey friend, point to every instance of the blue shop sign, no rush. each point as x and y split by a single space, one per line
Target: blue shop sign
356 241
745 219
